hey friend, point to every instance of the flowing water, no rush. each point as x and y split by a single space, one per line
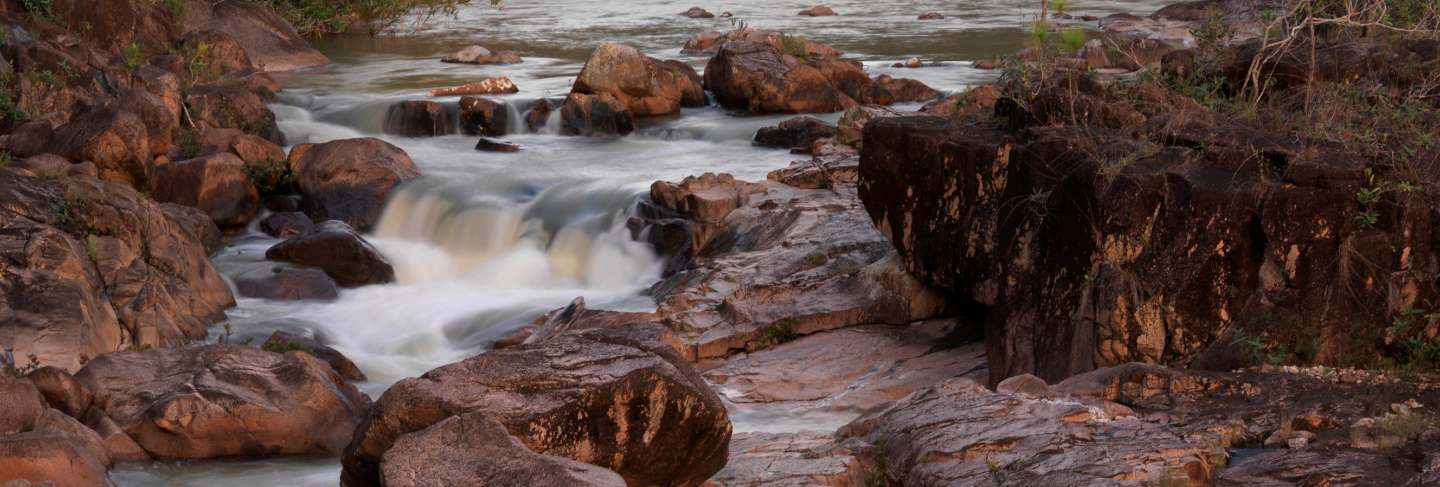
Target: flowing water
484 243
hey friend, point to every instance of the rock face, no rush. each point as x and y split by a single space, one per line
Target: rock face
418 119
595 115
481 55
618 398
349 180
93 266
217 185
220 401
799 134
475 449
760 263
647 86
1181 235
337 249
763 78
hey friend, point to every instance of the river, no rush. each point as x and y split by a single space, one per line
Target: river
485 242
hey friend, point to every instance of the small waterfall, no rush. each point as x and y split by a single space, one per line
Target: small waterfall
552 124
514 119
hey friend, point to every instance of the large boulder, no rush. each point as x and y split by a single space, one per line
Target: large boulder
43 446
475 449
760 78
61 390
286 284
221 401
418 119
94 266
595 115
349 180
337 249
117 141
647 86
216 184
618 398
270 43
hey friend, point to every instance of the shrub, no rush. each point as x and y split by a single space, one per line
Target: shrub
322 17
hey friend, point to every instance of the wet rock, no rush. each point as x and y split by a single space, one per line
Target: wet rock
538 115
337 249
216 184
283 341
489 86
220 401
285 283
94 266
492 145
931 16
615 398
483 116
803 458
61 391
595 115
572 318
349 180
481 55
647 86
232 105
286 224
798 133
705 200
418 119
817 11
901 90
698 13
475 449
833 166
281 203
117 141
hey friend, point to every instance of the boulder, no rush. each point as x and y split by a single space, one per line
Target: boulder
817 11
931 16
475 449
618 398
647 86
483 116
710 42
337 249
160 122
221 401
282 203
223 55
120 446
595 116
286 224
349 180
47 166
270 43
24 405
852 125
283 341
799 133
117 141
263 157
229 104
94 266
29 139
698 13
283 283
218 185
489 86
492 145
758 77
418 119
43 445
197 225
61 390
805 458
538 115
480 55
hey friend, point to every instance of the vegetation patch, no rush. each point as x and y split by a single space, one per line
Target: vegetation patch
324 17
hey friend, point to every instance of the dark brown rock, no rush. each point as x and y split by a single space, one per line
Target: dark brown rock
931 16
492 145
61 390
224 55
616 398
285 283
232 105
798 133
218 401
286 224
337 249
481 55
538 115
698 13
418 119
758 77
817 11
349 180
474 449
595 116
483 116
116 141
216 184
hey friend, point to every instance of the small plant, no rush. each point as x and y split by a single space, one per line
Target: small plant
793 45
1254 347
777 333
6 158
63 217
133 55
15 369
224 338
197 60
39 8
188 142
269 176
1072 39
1369 198
282 346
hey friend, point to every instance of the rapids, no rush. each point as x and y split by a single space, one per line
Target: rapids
483 243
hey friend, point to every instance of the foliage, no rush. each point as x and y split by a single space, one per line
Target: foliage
777 333
1072 39
133 55
1369 197
323 17
270 176
793 45
10 111
9 365
40 8
282 346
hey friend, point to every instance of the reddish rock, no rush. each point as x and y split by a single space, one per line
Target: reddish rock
647 86
901 90
817 11
44 446
852 124
337 249
116 141
805 458
595 115
481 55
538 115
349 180
615 398
483 116
232 105
270 43
931 16
219 401
759 78
710 42
418 119
980 99
488 86
223 55
217 184
61 391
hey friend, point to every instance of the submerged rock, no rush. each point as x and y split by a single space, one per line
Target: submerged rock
285 283
491 145
349 180
480 55
817 11
221 401
337 249
617 398
698 13
595 115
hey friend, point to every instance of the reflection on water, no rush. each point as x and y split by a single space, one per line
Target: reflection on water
486 242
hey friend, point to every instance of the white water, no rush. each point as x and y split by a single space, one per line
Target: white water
486 242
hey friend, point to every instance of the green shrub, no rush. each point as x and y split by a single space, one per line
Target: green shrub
322 17
38 8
